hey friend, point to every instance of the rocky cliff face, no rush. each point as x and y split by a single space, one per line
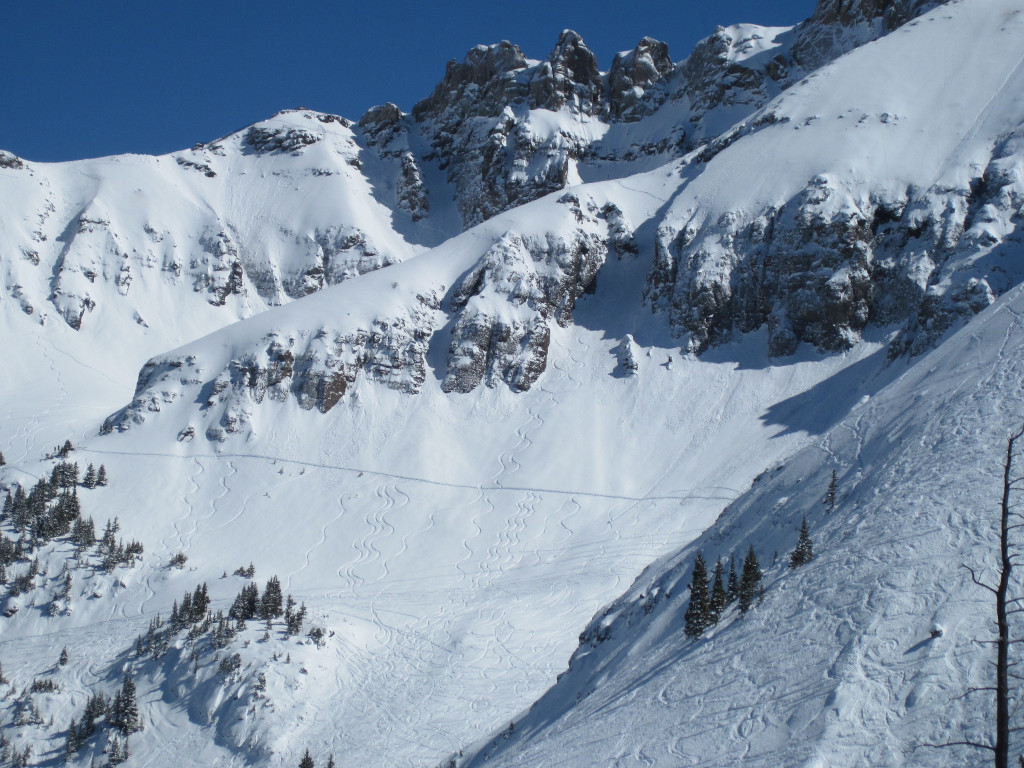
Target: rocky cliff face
838 26
315 368
841 253
506 302
817 264
479 119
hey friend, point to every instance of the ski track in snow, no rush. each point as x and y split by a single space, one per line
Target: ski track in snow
189 513
198 521
34 426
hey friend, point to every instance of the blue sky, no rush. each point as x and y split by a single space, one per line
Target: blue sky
84 79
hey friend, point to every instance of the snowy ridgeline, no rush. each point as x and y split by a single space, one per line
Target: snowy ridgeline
766 196
458 376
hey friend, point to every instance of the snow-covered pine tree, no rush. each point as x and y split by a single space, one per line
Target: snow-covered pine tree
63 660
719 596
114 757
750 581
125 710
330 760
200 602
289 606
246 603
830 494
73 742
95 708
698 614
294 618
2 459
804 552
272 600
306 761
89 481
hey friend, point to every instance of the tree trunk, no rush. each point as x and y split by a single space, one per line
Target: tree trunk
1002 745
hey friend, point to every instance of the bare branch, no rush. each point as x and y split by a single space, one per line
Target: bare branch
976 580
960 744
969 691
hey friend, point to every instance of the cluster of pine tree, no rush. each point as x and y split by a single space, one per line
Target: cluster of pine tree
706 608
113 552
13 757
250 604
120 714
191 613
50 510
307 761
93 477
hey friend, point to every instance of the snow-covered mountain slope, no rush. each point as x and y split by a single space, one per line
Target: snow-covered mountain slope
860 196
837 665
259 217
813 219
439 373
455 585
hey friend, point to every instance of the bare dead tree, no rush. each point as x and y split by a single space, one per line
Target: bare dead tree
1005 606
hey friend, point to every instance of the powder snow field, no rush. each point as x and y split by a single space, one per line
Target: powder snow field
454 588
836 666
453 546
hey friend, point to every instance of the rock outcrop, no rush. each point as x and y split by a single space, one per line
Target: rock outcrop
315 368
506 302
828 263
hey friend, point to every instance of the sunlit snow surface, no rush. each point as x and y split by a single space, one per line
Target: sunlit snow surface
456 545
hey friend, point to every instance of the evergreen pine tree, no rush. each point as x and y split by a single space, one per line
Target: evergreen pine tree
294 617
330 760
246 604
804 548
125 711
289 606
306 761
101 476
95 707
200 602
114 758
750 581
114 710
63 660
719 597
698 613
830 494
89 481
734 581
272 600
73 742
2 459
